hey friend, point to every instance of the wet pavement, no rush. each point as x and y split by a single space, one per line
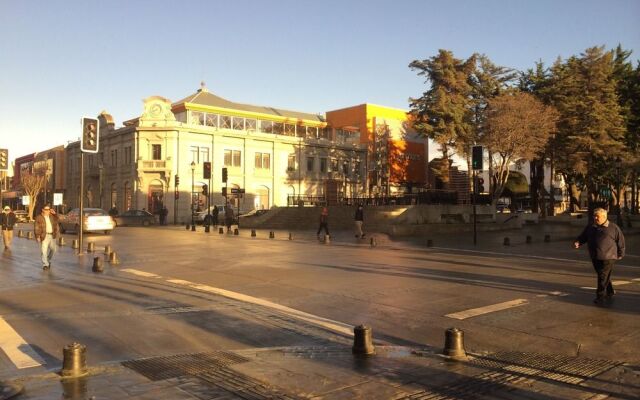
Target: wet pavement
170 323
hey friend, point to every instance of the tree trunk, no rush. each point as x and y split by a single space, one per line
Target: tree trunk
574 198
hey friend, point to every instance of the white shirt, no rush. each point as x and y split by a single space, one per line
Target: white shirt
49 226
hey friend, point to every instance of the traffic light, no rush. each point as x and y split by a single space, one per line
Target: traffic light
224 191
4 159
205 189
480 185
224 175
177 180
476 157
206 170
89 142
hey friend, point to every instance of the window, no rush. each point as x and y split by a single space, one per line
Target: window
345 167
289 129
127 156
263 160
197 118
301 131
204 154
250 124
278 128
225 122
334 164
238 123
232 158
310 162
114 158
312 132
323 164
199 154
156 152
266 126
291 162
212 120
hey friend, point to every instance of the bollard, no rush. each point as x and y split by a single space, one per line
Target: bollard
193 228
290 236
60 241
236 232
272 235
528 239
221 231
20 233
206 229
186 226
253 233
547 238
113 258
362 342
107 249
74 360
97 264
429 243
75 244
327 239
454 344
30 235
506 242
374 243
90 247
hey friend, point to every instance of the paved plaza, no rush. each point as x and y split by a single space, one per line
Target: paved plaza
195 315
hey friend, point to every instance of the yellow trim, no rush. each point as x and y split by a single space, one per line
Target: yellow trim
251 114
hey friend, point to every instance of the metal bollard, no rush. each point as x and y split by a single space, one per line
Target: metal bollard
454 344
221 231
236 232
74 360
272 235
429 243
61 241
107 249
374 242
362 342
30 235
20 233
253 233
113 258
529 239
327 239
290 236
90 247
193 228
506 242
75 244
187 226
97 264
206 229
547 238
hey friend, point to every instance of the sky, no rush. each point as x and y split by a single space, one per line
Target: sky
64 59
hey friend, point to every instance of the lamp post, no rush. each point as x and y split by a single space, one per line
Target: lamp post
100 184
193 170
552 197
619 183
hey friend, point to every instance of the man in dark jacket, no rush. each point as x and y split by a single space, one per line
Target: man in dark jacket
7 221
359 219
46 231
605 242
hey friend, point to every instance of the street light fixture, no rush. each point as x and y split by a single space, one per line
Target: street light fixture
193 170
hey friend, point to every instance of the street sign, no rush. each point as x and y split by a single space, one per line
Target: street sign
57 199
25 200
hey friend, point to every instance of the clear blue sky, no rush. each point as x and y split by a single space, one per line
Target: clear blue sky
62 59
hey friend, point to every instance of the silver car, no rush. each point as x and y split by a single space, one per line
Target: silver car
95 220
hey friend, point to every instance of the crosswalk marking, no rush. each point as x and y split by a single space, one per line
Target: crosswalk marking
474 312
619 283
140 273
16 348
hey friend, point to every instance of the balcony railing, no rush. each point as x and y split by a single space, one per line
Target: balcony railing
153 165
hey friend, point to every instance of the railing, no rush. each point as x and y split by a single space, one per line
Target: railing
301 201
431 196
152 164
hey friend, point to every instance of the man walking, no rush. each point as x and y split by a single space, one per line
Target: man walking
605 242
46 232
7 220
359 219
324 222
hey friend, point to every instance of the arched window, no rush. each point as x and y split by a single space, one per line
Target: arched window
114 196
155 197
126 205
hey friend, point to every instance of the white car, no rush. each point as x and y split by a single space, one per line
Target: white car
95 220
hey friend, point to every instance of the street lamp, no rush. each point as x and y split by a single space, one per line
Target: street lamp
100 183
193 170
619 183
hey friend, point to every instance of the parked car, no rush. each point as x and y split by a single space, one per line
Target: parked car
21 216
135 217
199 216
95 220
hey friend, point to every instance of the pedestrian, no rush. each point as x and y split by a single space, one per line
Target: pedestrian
163 215
46 232
7 220
113 211
214 216
228 217
359 219
324 222
605 242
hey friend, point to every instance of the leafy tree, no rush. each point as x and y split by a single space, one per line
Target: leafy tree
443 112
518 127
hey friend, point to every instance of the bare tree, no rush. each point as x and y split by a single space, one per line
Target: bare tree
32 185
518 127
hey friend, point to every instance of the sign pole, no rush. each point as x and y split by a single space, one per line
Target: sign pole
81 222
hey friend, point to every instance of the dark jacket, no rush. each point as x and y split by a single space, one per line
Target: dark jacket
7 220
605 242
359 214
41 226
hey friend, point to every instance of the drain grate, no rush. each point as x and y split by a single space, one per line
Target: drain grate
160 368
555 367
243 386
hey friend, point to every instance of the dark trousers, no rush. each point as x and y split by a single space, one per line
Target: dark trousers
603 269
325 226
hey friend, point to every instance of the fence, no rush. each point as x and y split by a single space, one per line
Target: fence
430 196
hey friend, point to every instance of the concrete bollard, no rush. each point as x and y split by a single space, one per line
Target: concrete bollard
30 235
547 238
506 242
290 236
187 226
429 243
374 242
272 235
221 230
236 232
90 247
327 239
97 264
107 249
113 258
253 233
454 344
74 360
61 241
529 239
362 342
75 244
20 233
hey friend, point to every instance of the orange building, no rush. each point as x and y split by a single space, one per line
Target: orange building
397 154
